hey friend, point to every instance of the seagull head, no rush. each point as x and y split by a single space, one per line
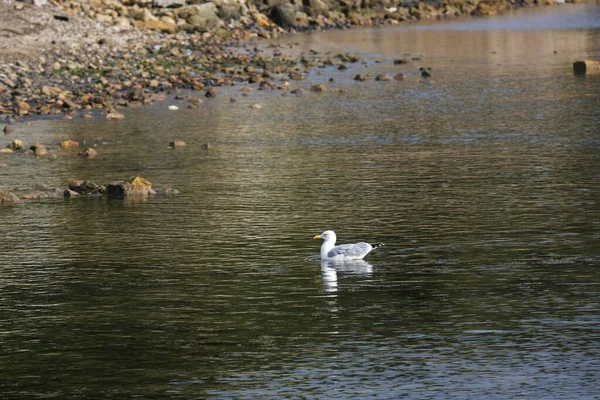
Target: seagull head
328 236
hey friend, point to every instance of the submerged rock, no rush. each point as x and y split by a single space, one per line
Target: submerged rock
69 144
7 197
89 153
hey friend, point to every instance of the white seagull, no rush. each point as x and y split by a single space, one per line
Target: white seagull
356 251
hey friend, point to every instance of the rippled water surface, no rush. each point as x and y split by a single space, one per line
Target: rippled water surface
483 182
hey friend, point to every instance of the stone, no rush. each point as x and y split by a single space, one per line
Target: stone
134 187
400 61
177 143
7 197
114 116
319 88
296 76
399 77
169 191
8 129
360 78
168 3
39 194
586 67
211 92
425 73
206 146
69 144
17 145
39 150
383 77
89 153
70 193
7 150
284 15
202 17
86 187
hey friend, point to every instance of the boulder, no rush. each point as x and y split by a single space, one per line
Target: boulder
202 17
7 197
134 187
284 15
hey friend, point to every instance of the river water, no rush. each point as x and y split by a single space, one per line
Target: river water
483 182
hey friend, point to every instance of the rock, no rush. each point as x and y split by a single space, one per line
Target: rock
114 115
173 108
360 78
52 157
202 17
206 146
266 85
39 150
7 150
284 15
399 77
16 145
160 26
69 144
399 61
297 91
383 77
586 67
7 197
255 78
39 194
8 129
89 153
295 76
70 193
135 187
211 92
319 88
168 3
22 108
177 143
195 100
86 187
169 191
255 106
425 73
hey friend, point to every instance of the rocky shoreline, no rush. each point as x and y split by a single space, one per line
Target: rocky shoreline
65 56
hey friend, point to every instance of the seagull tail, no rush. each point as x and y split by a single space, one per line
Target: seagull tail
377 245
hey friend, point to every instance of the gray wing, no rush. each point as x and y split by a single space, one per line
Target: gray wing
357 250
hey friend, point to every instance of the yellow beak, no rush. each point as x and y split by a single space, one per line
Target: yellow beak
317 237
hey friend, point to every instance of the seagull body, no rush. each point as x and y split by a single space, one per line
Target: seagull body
329 251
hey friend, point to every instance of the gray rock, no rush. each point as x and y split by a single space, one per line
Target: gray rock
168 3
284 15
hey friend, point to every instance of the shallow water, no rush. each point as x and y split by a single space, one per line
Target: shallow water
482 181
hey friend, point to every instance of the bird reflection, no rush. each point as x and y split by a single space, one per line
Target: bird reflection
330 270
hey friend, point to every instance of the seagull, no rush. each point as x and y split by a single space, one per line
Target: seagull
356 251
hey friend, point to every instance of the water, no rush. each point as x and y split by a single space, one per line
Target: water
483 183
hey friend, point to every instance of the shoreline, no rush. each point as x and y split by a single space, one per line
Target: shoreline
57 60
